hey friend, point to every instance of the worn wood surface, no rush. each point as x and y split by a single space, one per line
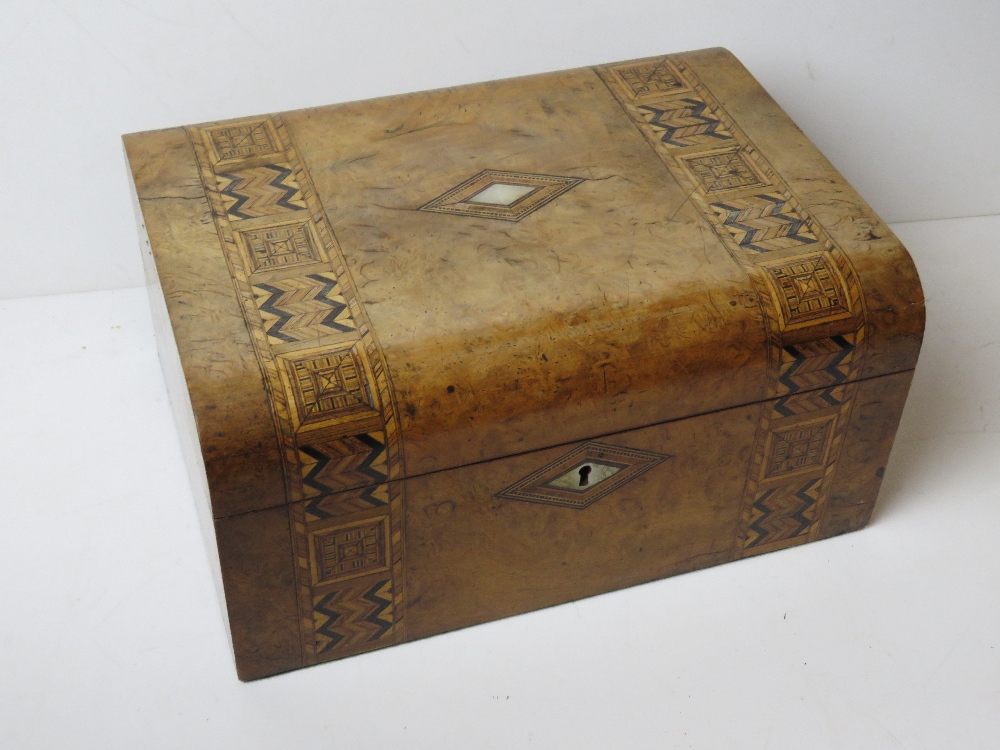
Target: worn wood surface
408 325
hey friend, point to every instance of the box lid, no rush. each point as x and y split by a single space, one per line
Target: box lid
381 289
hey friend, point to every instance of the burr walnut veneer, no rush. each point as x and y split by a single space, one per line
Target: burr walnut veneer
465 353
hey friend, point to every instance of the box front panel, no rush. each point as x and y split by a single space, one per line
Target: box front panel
508 536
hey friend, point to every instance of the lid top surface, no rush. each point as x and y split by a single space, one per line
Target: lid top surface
448 277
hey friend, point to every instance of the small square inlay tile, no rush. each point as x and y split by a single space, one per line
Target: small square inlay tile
509 196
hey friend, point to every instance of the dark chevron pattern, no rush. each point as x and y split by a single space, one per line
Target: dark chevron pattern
380 595
325 630
779 513
344 463
303 308
345 503
815 364
685 122
353 615
789 406
260 191
764 222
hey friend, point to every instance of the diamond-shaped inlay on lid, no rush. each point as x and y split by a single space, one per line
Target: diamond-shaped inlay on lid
583 476
494 194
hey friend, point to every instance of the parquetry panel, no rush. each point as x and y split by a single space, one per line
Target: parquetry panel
808 288
338 464
302 308
648 79
765 222
724 171
354 549
353 615
328 386
260 191
241 141
281 244
685 122
797 448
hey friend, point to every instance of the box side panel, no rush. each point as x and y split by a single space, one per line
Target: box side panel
867 442
256 553
231 409
893 295
180 403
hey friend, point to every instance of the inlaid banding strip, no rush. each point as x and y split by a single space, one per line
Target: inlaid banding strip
806 288
331 399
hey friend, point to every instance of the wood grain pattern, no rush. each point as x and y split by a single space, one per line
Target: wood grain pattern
625 321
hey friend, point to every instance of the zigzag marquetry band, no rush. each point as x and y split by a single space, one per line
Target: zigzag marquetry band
326 379
806 288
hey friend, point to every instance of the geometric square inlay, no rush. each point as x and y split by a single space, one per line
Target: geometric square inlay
329 385
720 171
495 194
583 476
809 289
800 447
649 79
287 243
239 141
349 551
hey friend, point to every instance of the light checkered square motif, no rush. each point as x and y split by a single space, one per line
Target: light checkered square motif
809 289
329 386
722 171
289 243
798 448
649 79
240 141
349 551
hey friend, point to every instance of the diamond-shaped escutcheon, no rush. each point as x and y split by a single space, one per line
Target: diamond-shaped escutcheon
583 476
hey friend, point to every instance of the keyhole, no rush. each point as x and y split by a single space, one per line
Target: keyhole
585 475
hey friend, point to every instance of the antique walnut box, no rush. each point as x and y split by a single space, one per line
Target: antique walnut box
456 355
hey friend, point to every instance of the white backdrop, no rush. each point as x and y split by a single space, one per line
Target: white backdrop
111 637
903 97
110 633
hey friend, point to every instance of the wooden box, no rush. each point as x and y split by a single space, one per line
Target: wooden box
466 353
